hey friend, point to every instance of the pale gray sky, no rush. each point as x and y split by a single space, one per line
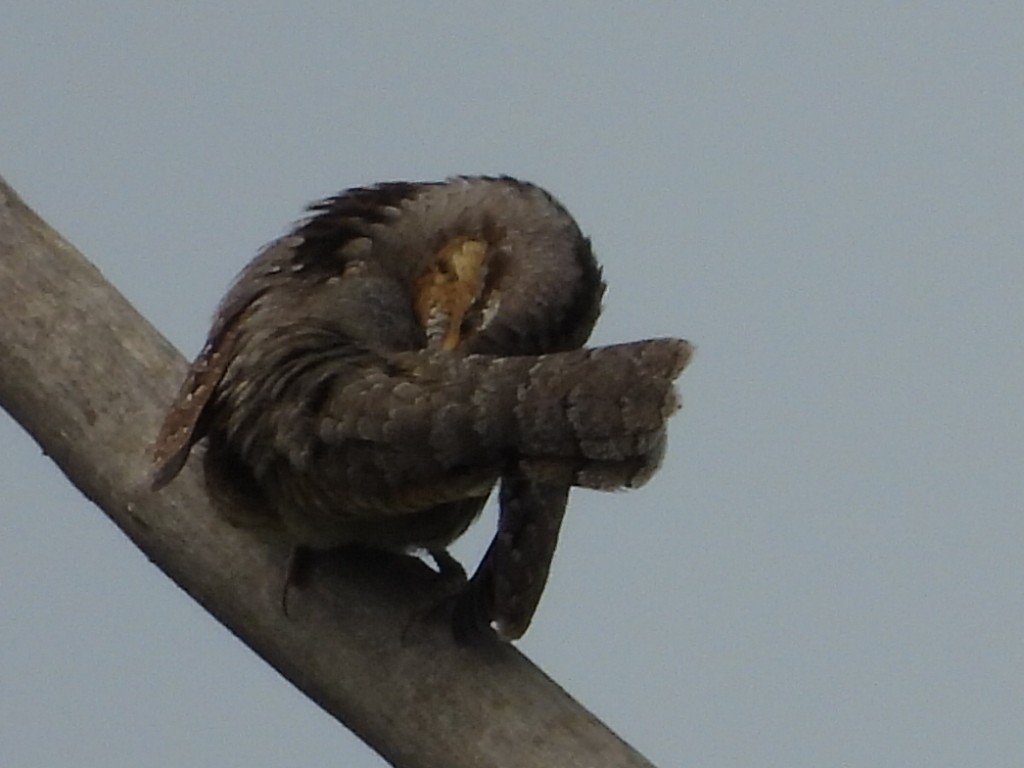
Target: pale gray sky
826 198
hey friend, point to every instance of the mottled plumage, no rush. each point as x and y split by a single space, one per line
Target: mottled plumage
371 376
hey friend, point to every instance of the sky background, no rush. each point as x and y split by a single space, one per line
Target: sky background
826 198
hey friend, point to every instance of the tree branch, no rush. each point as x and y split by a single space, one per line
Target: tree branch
89 379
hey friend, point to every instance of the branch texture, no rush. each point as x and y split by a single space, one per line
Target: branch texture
90 379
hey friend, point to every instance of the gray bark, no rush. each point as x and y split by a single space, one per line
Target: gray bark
90 379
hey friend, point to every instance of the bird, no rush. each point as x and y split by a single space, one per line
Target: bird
371 377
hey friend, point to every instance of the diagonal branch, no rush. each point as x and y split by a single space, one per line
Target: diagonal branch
89 379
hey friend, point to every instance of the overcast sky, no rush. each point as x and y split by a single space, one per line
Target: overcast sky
826 198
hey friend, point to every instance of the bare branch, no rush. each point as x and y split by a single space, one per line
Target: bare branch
89 378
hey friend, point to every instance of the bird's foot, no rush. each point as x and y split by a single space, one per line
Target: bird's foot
455 600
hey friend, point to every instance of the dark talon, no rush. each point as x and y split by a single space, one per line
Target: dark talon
449 569
296 572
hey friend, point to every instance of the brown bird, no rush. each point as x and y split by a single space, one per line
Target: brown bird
371 376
